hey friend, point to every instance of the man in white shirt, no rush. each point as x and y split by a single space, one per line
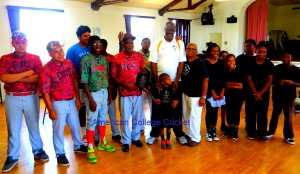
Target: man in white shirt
168 56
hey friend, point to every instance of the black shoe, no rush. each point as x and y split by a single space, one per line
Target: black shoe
223 127
138 143
125 147
81 149
264 139
96 143
228 132
41 154
62 160
192 143
290 141
116 138
9 164
235 133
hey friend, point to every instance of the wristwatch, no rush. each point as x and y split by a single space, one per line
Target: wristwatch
203 96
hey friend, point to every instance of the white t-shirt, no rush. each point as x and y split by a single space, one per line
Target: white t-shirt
167 56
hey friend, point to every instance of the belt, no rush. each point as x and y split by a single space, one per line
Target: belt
21 93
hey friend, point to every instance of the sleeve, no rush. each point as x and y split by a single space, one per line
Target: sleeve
296 75
38 65
114 67
44 81
107 68
84 69
142 62
203 69
271 68
182 55
3 68
153 57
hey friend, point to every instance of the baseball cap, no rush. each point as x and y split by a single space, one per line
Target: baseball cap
18 36
127 35
53 44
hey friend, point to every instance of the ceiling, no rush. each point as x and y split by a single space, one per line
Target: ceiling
283 2
158 4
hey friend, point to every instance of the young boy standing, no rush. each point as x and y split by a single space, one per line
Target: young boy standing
286 79
58 84
94 76
166 100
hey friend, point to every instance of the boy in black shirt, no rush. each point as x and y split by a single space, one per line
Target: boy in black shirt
286 79
167 100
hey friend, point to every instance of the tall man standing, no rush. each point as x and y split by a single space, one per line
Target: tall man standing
19 71
168 56
75 54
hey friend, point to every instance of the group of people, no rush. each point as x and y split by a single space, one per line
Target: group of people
81 88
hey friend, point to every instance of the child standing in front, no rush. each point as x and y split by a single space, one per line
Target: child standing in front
94 76
166 100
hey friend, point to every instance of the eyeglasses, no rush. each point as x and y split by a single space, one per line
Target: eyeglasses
191 49
97 45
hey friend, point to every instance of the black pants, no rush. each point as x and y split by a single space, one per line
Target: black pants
82 111
177 128
234 102
211 115
281 103
257 113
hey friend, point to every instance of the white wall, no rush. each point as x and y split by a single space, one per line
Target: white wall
284 18
110 20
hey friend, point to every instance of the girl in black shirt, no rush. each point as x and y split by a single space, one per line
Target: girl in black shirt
260 77
216 90
234 96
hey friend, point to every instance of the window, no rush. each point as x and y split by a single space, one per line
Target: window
182 29
141 27
40 26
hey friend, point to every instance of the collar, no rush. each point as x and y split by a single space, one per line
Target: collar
15 55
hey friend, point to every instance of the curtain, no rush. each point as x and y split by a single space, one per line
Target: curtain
14 17
128 23
257 14
183 29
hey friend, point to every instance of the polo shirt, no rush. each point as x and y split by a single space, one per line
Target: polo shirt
167 55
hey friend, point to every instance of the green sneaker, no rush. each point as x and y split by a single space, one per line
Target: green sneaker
91 156
106 147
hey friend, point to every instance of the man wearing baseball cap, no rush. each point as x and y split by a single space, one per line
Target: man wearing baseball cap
19 71
125 67
58 84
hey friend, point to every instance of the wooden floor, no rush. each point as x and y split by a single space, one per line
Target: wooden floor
225 156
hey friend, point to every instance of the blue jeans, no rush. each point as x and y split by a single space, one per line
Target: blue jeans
113 118
15 107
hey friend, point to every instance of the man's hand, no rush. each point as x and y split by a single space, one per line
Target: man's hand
157 101
93 105
78 104
175 86
201 101
120 36
174 103
52 114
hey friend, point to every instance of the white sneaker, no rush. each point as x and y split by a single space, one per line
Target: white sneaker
209 137
290 141
269 136
151 140
182 140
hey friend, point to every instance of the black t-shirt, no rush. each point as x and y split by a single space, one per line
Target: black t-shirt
216 76
166 95
260 72
193 74
243 61
287 73
234 75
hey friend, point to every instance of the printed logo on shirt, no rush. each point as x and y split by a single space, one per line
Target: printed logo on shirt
83 54
130 66
21 64
187 69
63 74
166 97
98 68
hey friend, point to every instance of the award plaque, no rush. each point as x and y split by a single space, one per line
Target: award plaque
142 80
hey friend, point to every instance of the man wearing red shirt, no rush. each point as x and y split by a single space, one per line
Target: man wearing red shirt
19 71
125 67
58 84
